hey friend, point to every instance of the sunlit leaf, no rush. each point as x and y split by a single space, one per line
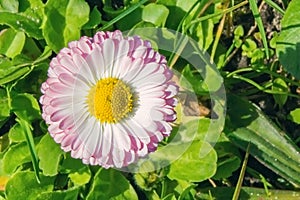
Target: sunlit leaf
200 168
9 5
155 13
63 20
28 19
26 107
69 194
16 133
49 154
4 104
295 115
15 156
11 42
81 177
23 185
104 186
288 42
11 70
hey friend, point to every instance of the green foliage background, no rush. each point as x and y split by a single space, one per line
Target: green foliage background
257 60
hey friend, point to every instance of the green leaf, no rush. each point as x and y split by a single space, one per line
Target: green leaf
94 19
295 115
23 185
228 160
79 173
279 85
11 42
70 194
70 165
4 105
288 42
16 133
26 22
49 154
246 193
239 31
15 156
190 79
11 70
81 177
26 107
63 21
9 5
104 186
156 14
200 168
247 124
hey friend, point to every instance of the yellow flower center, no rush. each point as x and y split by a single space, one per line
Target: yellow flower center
110 100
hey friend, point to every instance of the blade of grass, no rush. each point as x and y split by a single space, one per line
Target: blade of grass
29 139
218 36
262 88
241 177
275 6
123 14
206 17
173 57
258 20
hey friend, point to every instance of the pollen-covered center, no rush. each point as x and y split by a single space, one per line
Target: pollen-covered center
110 100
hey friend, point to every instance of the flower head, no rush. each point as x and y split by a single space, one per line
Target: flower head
109 99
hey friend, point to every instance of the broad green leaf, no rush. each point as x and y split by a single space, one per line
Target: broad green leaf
94 19
295 115
70 194
11 70
9 5
288 42
81 177
79 173
49 154
156 14
4 105
248 193
279 85
111 184
26 107
24 16
22 22
11 42
63 21
228 160
15 156
200 168
23 185
16 133
195 129
71 165
247 124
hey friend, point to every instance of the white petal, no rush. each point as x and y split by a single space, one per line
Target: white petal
108 55
84 69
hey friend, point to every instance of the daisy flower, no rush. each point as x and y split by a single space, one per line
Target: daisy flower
109 99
